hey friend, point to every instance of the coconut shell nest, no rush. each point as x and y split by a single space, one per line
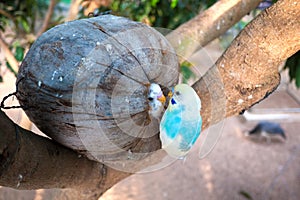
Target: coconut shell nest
84 84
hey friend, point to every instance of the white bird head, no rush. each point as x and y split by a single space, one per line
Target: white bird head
156 100
155 93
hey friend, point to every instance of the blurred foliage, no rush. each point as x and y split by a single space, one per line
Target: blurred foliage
158 13
186 72
19 21
22 15
19 55
293 65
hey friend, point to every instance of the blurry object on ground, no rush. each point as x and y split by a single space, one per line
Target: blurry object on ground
267 130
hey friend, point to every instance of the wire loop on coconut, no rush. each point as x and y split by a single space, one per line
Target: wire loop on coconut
2 105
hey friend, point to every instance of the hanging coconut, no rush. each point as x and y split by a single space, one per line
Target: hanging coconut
84 84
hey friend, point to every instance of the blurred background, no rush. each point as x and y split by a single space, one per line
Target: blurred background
262 165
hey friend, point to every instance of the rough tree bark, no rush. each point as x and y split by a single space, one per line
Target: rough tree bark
248 71
245 74
9 55
38 162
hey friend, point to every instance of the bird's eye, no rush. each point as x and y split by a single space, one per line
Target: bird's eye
177 93
173 101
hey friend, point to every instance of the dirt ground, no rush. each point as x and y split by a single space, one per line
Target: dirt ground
238 167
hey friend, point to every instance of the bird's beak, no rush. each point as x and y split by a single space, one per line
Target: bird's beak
162 99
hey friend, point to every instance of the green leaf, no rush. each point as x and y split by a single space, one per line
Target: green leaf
154 3
19 54
25 25
174 3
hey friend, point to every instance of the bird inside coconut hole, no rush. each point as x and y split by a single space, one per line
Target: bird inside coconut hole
86 83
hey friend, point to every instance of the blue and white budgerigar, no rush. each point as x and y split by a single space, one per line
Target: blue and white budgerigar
181 123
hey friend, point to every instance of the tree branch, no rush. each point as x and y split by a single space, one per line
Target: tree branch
208 25
73 10
248 71
9 55
47 18
6 14
29 161
25 122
